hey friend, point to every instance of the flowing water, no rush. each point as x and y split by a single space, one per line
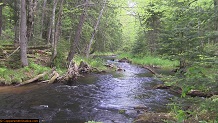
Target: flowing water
116 97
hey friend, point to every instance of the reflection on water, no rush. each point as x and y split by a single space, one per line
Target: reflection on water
98 97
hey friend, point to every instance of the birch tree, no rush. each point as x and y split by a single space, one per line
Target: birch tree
52 27
57 31
95 29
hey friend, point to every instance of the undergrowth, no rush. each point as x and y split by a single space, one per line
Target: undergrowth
93 62
14 76
149 60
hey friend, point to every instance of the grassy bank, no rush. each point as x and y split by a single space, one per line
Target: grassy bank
10 76
149 60
93 62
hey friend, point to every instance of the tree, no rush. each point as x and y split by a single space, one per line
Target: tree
52 28
74 43
23 33
43 17
17 6
1 4
95 29
216 19
31 5
57 30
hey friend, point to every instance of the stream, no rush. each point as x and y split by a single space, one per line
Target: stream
116 97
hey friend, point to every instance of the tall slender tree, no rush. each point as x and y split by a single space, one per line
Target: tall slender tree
57 31
1 4
95 29
75 42
31 5
23 33
43 17
52 27
216 18
17 6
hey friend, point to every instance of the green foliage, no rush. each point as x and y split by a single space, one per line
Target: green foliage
62 52
103 53
93 62
209 106
149 60
38 69
14 76
179 113
14 61
11 76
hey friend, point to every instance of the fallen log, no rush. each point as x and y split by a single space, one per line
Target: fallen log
192 93
160 86
43 47
150 69
96 70
54 77
40 52
7 45
125 60
33 79
197 93
36 78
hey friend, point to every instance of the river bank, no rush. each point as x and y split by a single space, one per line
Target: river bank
127 73
117 96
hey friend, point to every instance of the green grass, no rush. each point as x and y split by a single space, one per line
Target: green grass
9 76
149 60
93 62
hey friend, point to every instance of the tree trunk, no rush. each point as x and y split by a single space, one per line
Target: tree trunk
17 23
57 31
1 18
75 42
49 34
95 29
43 16
53 22
30 19
23 33
216 18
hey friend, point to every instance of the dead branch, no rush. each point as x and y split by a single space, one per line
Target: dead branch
36 78
33 79
13 52
54 77
150 69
